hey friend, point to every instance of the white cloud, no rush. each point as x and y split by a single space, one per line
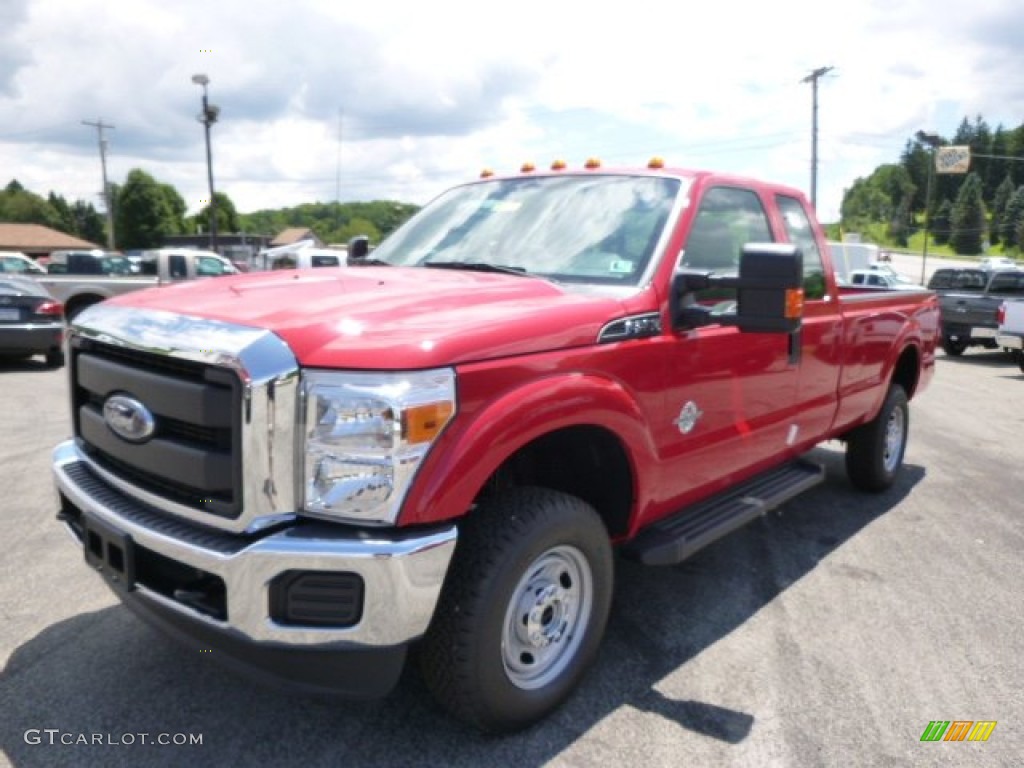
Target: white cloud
430 93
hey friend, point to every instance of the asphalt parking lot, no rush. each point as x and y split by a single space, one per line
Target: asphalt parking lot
831 633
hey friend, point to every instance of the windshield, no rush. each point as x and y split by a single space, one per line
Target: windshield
594 228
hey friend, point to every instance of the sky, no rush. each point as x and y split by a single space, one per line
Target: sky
324 100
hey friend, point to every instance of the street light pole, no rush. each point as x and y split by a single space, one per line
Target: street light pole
208 118
933 140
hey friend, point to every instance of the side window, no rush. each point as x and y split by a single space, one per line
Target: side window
941 279
1007 283
176 266
801 234
208 267
727 219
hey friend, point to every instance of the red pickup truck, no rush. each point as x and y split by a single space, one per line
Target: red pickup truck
443 446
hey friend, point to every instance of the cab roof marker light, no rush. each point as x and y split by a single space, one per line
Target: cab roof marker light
558 165
592 163
528 168
486 173
656 162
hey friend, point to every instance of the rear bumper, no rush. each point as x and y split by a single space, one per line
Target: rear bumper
399 574
967 332
30 337
1010 340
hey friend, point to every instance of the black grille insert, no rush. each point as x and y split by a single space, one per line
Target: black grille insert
194 456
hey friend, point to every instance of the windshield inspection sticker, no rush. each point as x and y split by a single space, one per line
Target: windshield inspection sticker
620 267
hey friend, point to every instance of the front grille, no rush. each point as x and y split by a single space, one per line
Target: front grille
193 456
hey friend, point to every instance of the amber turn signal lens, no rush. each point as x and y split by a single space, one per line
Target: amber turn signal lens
794 303
422 423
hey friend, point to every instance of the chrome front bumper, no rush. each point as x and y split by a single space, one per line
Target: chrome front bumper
402 573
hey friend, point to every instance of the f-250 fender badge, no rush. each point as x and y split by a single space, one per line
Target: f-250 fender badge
688 417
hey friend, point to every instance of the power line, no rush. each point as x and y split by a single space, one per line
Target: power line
100 126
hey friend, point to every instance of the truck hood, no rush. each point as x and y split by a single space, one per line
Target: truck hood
394 317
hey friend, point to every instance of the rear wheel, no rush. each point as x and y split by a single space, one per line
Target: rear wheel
953 347
874 451
523 610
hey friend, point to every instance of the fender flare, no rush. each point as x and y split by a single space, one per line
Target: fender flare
462 461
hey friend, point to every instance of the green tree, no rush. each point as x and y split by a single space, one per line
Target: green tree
356 227
17 204
1001 199
63 210
1012 219
968 219
941 223
884 197
176 209
146 212
89 224
228 219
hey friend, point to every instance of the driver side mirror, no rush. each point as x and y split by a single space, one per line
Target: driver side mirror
769 291
358 247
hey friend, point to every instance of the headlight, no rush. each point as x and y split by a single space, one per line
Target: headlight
366 435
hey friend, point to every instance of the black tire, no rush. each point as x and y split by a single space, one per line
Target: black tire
1018 356
55 358
874 451
530 566
954 347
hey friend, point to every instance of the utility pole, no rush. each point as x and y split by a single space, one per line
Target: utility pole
813 80
100 126
934 141
337 179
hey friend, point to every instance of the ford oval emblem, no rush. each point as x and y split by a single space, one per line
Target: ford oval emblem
128 418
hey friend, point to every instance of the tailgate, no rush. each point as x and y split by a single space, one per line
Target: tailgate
974 311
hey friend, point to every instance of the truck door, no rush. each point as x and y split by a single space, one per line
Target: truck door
733 395
821 331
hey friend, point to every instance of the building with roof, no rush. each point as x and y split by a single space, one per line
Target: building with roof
293 235
37 241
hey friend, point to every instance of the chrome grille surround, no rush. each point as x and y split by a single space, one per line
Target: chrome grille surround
267 408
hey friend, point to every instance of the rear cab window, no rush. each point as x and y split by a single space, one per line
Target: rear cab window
801 234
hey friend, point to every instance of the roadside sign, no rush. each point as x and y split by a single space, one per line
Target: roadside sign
952 159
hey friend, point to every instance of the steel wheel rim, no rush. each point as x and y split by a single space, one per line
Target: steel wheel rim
894 432
546 617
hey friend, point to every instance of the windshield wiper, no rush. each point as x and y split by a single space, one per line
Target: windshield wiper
477 266
368 262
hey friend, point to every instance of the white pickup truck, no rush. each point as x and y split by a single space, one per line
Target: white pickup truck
79 279
1010 334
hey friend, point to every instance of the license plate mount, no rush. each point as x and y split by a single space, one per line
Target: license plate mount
110 551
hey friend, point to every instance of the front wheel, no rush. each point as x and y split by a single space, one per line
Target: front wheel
874 451
523 609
